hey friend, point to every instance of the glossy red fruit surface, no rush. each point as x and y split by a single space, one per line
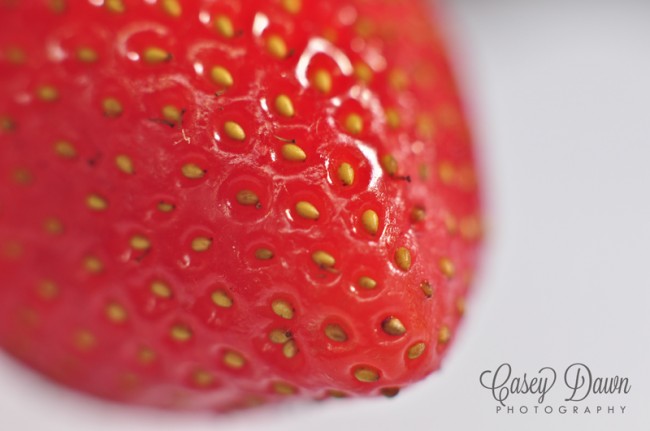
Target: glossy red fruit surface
215 204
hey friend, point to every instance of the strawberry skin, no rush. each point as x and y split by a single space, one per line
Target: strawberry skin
216 204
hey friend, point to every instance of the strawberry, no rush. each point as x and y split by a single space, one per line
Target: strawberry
214 204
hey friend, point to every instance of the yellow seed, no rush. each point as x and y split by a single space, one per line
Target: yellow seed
370 221
124 164
233 360
276 46
282 308
221 299
323 259
165 207
87 55
56 6
96 202
425 126
346 173
446 172
393 326
444 334
15 55
292 6
234 131
417 214
322 80
284 105
450 223
65 149
53 226
224 26
366 375
416 350
283 388
155 55
460 305
354 124
335 333
22 176
389 164
392 118
161 289
470 228
307 210
398 79
221 76
447 267
336 394
47 93
293 152
48 290
389 392
180 333
84 340
202 378
403 258
115 6
171 114
424 171
146 355
247 197
116 313
140 242
426 288
279 336
172 8
363 72
289 350
367 282
201 244
7 124
192 171
112 107
263 254
93 264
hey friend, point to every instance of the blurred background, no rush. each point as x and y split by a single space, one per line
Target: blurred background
559 92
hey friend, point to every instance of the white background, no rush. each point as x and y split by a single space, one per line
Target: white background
560 95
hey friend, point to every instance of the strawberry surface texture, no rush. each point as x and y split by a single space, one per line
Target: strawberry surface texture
219 204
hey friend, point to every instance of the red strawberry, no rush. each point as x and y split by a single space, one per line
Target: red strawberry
212 204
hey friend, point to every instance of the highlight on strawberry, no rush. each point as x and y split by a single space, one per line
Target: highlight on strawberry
215 204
